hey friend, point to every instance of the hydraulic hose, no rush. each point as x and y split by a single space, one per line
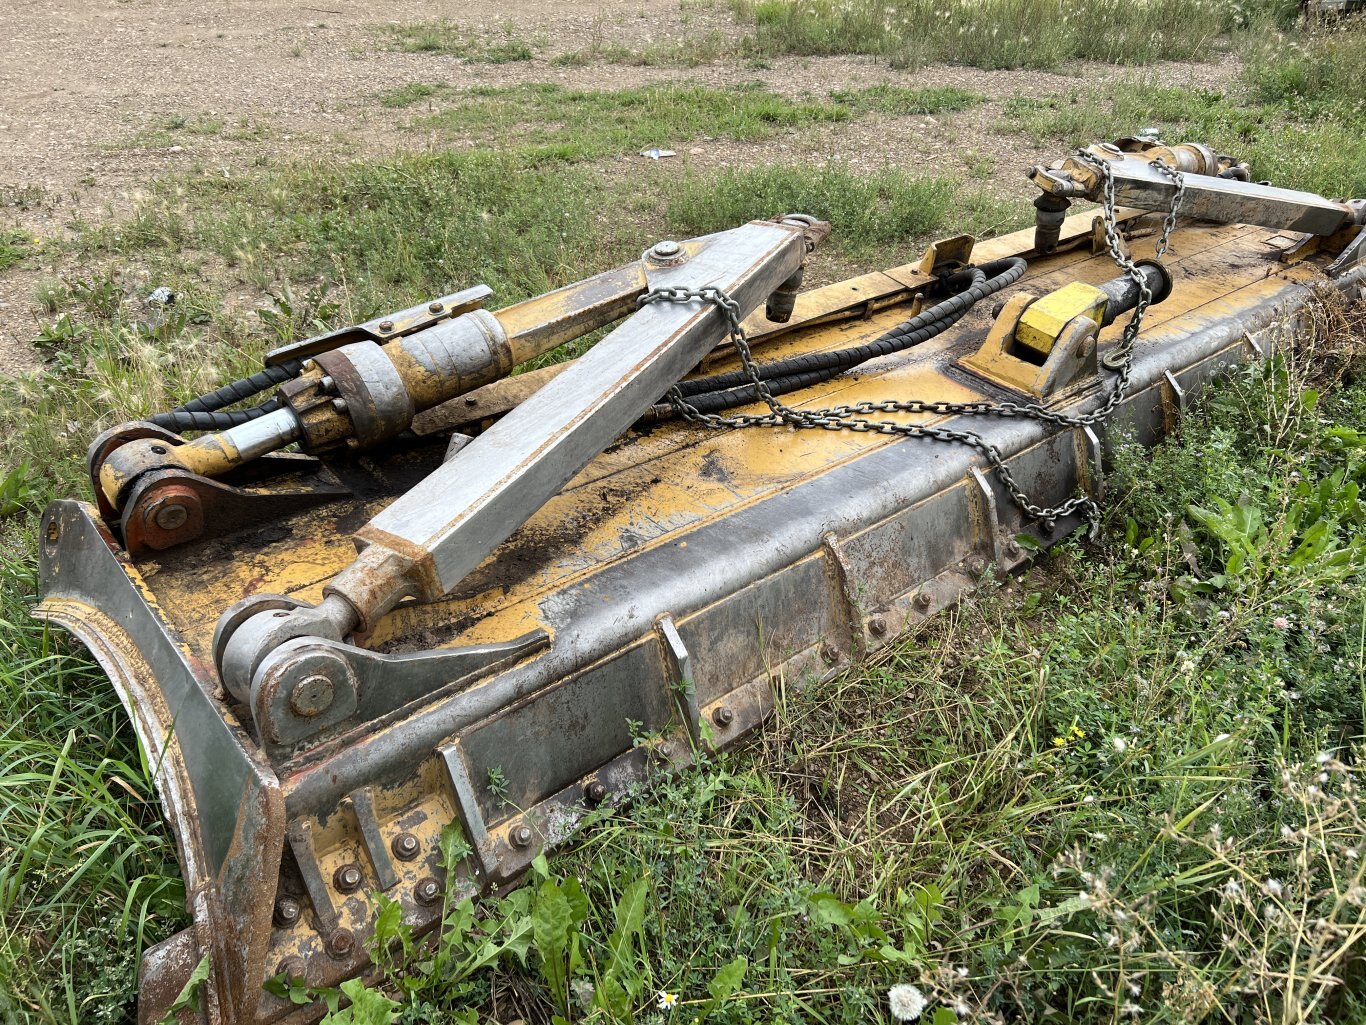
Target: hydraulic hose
243 389
724 391
203 413
181 419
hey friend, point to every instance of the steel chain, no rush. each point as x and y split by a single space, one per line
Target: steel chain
855 417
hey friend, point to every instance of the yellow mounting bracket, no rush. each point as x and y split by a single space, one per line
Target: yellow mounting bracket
1041 346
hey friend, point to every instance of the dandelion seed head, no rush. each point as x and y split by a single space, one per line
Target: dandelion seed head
906 1002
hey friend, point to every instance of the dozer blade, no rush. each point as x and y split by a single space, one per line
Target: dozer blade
642 614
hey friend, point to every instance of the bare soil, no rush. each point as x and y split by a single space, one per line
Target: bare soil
87 83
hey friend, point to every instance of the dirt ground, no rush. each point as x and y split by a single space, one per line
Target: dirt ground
86 82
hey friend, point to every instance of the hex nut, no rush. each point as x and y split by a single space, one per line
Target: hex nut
427 890
977 566
341 943
923 600
595 792
435 307
386 325
287 913
522 836
347 878
405 846
877 626
667 249
829 652
723 715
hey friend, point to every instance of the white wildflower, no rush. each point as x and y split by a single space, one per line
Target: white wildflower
906 1002
1120 744
1273 888
666 1001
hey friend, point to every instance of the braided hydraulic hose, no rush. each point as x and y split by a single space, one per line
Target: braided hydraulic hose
179 420
243 389
203 413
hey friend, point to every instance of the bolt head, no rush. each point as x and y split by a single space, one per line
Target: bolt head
595 792
312 696
347 879
171 515
340 405
723 715
522 836
405 847
829 652
427 890
309 364
386 325
877 625
327 384
1012 548
287 912
977 567
435 307
341 943
923 600
667 249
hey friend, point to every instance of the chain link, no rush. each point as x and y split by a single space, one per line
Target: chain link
858 416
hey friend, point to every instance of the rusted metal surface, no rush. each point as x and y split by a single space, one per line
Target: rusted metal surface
669 582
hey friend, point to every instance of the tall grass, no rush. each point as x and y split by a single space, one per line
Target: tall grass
88 874
1001 33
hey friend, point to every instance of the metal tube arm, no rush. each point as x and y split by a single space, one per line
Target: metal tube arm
429 539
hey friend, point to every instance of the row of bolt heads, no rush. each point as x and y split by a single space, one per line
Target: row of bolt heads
405 847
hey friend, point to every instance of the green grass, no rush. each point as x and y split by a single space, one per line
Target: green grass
88 873
689 52
448 37
873 212
902 100
554 123
15 245
181 128
410 94
1002 33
